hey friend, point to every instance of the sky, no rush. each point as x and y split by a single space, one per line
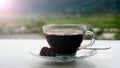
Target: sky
19 6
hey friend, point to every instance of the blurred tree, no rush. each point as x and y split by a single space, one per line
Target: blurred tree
100 31
117 36
38 26
117 25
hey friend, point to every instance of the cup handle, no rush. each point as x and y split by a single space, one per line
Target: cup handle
92 40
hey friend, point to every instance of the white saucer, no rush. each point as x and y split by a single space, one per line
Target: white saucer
81 54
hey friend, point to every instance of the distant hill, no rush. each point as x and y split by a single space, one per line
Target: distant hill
78 6
64 6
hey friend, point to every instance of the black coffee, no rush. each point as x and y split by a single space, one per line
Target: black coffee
64 44
64 40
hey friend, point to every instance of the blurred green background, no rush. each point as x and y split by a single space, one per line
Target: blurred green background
102 17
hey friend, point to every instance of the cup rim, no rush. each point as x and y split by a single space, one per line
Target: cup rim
65 25
83 26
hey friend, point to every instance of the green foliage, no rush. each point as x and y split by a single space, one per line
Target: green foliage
95 20
117 36
39 25
100 32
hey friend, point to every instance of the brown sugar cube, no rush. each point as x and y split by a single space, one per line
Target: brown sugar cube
51 52
43 51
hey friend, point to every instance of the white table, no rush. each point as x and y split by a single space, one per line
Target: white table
14 54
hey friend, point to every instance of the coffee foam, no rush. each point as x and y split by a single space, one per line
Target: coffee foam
65 31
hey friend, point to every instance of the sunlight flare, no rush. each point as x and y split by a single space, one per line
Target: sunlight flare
4 4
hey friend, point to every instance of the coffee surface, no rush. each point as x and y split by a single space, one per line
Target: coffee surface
65 31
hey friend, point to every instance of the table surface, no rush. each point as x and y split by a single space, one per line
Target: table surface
14 53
